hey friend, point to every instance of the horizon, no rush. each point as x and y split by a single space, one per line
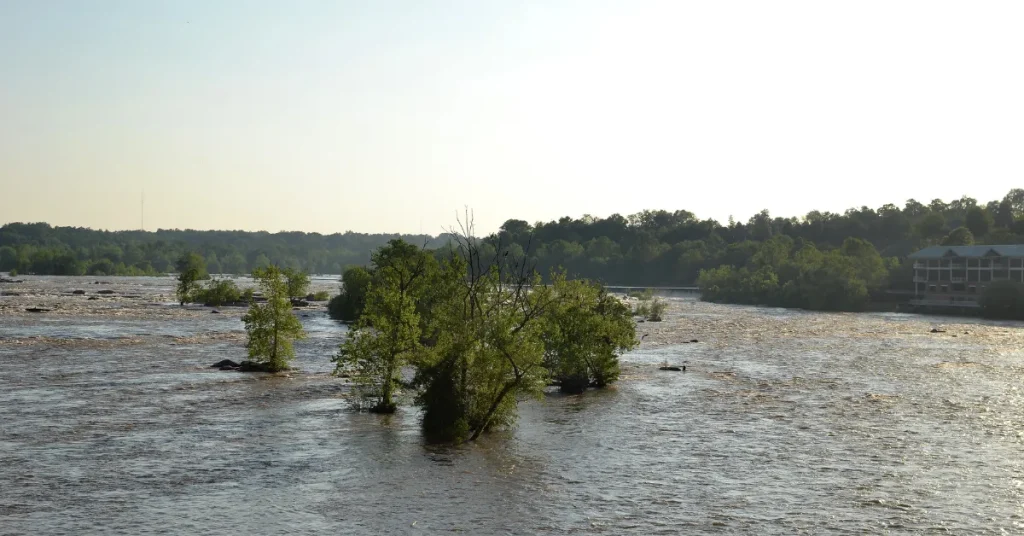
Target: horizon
392 117
801 217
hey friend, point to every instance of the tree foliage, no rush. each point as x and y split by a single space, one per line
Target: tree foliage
348 305
191 269
586 330
270 326
297 281
1003 300
785 273
477 330
387 336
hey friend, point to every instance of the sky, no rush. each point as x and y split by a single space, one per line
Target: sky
395 116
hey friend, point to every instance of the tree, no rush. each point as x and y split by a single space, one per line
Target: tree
931 226
387 336
585 330
978 221
348 305
8 258
234 263
1004 214
101 267
487 351
270 326
1003 299
191 269
298 282
1016 199
961 236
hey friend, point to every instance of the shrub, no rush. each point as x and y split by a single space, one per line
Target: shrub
218 292
322 295
657 309
13 272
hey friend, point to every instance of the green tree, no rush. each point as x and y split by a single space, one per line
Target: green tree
213 264
101 267
298 282
585 331
191 269
1004 300
978 221
348 305
1004 214
931 226
218 292
270 326
234 263
387 336
486 347
961 236
8 258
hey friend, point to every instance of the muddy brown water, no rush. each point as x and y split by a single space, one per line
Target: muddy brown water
785 422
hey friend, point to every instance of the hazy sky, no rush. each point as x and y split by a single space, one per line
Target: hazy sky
394 115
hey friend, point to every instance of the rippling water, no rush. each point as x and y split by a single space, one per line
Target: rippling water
785 422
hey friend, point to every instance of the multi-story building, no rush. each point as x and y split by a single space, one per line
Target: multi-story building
957 275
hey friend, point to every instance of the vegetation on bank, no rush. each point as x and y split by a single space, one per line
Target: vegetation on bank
38 248
650 248
1003 300
468 336
787 273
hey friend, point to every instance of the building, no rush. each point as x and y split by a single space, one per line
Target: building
957 275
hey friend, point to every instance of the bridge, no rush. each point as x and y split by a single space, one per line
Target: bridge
625 289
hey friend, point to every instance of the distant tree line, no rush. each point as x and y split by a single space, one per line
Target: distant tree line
38 248
650 248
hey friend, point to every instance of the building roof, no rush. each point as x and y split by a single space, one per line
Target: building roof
939 252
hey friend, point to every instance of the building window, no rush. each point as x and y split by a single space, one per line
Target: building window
931 288
972 289
945 288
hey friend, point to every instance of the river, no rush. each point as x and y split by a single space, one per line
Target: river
785 422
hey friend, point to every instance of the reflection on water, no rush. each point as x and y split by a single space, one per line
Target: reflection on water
786 422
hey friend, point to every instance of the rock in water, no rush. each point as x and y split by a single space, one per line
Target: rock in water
37 310
224 363
78 292
105 291
674 369
215 312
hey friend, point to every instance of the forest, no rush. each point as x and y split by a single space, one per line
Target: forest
650 248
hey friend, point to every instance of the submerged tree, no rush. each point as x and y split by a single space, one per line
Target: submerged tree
387 335
487 351
297 282
271 326
191 269
586 329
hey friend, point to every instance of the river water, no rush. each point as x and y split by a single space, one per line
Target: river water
785 422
